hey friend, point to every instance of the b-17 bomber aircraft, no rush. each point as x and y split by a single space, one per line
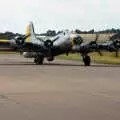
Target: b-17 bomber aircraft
64 42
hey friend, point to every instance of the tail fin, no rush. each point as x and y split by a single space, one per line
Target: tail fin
30 31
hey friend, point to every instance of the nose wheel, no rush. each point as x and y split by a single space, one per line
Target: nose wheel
86 60
38 60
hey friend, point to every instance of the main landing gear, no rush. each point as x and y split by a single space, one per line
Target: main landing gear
86 60
38 60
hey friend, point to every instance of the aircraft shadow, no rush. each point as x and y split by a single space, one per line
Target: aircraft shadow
31 63
55 64
81 65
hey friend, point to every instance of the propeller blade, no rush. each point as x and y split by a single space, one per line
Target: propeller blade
98 50
97 37
56 39
25 37
43 41
100 53
49 52
116 53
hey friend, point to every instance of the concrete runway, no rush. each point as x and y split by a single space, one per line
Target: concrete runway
61 90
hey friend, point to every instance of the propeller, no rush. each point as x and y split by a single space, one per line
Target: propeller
96 45
116 44
20 40
49 45
77 40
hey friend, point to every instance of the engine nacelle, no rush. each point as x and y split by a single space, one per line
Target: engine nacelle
76 48
31 54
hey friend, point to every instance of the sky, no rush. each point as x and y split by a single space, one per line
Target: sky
15 15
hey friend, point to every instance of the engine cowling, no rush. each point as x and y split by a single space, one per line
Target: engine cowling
31 54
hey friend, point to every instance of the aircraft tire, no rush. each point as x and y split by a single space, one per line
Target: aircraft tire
86 60
38 60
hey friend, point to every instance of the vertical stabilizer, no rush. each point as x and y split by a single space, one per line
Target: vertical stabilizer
30 31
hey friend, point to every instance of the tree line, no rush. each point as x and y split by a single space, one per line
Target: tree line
92 31
10 35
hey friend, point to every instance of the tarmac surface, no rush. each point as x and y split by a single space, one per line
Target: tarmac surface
61 90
